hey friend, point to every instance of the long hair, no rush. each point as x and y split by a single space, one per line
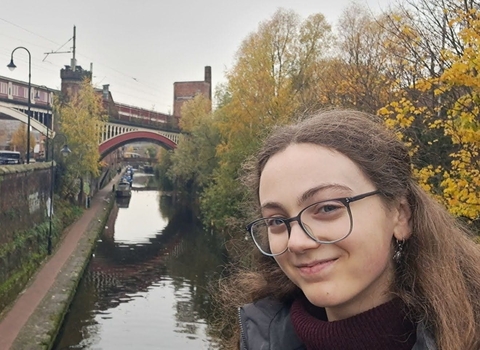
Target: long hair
438 277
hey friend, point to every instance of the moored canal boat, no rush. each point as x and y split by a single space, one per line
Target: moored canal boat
123 189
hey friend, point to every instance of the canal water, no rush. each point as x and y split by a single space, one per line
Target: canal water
146 286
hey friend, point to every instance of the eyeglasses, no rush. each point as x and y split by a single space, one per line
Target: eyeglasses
325 222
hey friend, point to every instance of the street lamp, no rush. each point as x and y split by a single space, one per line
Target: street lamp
12 66
65 151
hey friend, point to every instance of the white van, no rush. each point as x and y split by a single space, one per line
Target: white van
10 157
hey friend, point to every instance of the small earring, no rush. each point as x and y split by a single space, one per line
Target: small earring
397 256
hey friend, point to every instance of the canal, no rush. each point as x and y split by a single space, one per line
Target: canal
146 286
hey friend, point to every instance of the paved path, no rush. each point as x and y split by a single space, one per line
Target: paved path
23 308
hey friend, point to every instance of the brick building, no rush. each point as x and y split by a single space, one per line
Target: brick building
72 78
186 90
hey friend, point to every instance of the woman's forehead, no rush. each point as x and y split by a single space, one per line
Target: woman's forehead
303 167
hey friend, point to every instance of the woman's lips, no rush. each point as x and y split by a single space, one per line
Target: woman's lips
315 266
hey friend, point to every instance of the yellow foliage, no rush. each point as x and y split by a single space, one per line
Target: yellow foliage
274 77
447 104
194 112
19 140
80 119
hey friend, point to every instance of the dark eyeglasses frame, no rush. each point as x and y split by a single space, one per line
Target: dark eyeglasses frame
344 200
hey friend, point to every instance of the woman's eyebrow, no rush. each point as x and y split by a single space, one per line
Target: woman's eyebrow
271 205
307 195
313 191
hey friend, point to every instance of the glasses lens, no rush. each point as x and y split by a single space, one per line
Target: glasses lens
270 235
327 221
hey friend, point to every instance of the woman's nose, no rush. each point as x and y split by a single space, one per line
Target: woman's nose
299 241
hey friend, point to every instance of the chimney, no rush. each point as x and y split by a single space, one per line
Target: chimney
208 79
105 91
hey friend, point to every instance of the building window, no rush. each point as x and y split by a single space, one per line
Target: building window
3 88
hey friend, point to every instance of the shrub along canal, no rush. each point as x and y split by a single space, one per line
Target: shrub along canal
146 284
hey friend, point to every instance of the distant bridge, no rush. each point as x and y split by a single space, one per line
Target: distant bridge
126 124
140 159
14 104
114 136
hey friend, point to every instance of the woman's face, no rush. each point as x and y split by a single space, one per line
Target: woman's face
350 276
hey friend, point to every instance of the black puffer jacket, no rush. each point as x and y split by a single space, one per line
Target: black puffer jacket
265 325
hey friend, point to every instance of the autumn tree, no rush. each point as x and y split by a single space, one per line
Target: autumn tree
460 83
194 158
361 73
164 163
151 151
273 80
19 140
436 109
80 118
416 65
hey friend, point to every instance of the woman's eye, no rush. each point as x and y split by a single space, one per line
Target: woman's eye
324 208
274 222
328 207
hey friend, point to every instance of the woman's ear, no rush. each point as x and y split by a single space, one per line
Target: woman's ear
403 227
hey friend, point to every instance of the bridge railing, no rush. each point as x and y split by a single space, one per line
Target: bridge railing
157 125
111 130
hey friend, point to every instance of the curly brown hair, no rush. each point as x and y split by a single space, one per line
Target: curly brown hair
439 275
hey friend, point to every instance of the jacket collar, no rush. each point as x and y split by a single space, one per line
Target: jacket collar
265 324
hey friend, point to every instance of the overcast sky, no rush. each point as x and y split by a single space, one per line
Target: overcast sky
140 48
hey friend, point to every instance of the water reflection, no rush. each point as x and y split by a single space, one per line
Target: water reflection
145 287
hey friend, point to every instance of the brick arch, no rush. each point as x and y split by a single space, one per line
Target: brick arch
134 136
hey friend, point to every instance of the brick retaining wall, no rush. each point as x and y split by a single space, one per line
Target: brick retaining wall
24 196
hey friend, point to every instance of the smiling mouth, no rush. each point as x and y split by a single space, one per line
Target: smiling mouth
315 267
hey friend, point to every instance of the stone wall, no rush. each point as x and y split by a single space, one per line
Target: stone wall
24 198
24 224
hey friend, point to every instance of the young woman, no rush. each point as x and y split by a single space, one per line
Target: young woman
353 254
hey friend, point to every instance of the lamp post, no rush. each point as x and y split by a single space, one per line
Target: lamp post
12 66
65 151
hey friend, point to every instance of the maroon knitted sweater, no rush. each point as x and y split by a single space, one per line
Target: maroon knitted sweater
381 328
